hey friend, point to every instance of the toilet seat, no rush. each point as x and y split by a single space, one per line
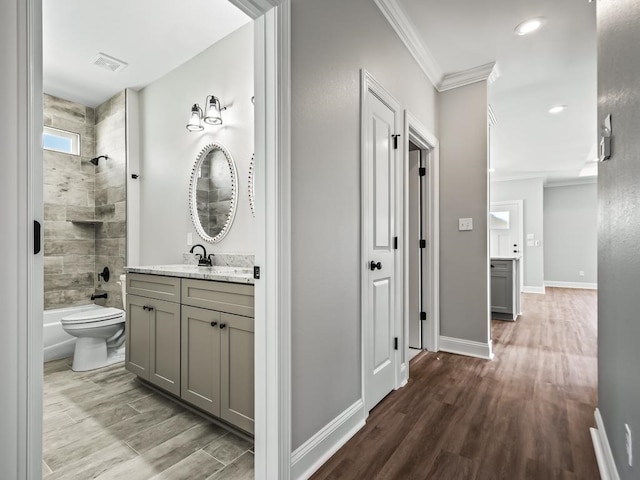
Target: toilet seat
103 316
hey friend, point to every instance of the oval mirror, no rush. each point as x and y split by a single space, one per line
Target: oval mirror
213 192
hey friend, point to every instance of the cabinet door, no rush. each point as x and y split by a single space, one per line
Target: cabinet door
137 327
201 358
501 292
164 354
237 371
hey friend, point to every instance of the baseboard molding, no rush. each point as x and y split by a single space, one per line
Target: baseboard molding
606 463
582 285
527 289
466 347
311 455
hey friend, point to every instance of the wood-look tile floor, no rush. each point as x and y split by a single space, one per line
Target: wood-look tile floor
524 415
105 424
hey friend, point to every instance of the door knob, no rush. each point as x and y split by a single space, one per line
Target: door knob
213 324
373 265
223 325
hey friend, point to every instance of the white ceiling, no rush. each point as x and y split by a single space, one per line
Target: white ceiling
556 65
152 36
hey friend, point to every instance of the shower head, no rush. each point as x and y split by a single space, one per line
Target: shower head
95 160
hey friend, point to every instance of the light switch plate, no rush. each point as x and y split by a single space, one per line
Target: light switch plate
530 236
189 238
530 243
465 224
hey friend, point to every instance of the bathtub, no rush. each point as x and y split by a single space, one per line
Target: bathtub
57 342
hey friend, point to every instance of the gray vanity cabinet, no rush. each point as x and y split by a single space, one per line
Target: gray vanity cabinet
218 349
153 330
505 289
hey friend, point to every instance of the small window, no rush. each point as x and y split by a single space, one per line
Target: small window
61 141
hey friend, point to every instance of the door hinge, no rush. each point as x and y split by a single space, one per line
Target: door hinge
395 141
395 343
256 273
395 243
423 244
422 171
423 315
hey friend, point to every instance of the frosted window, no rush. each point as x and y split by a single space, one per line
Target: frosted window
61 141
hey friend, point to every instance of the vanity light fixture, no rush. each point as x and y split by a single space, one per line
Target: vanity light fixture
195 119
212 110
529 26
212 114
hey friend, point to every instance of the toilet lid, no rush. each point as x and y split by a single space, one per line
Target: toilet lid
94 315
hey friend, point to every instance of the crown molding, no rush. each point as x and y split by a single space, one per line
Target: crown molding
406 30
467 77
571 182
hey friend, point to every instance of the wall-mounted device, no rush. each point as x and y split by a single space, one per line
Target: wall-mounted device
605 140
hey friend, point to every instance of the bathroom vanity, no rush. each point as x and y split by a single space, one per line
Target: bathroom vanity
505 288
190 332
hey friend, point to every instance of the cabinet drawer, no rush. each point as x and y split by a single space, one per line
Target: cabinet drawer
154 286
224 297
501 265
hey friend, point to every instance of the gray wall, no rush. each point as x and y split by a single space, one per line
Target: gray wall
464 264
531 192
331 41
168 151
619 229
571 233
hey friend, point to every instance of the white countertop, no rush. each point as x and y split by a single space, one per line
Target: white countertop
505 258
217 273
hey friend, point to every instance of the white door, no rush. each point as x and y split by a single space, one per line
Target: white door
506 229
379 205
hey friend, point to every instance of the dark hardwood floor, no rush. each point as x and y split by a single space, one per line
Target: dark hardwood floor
524 415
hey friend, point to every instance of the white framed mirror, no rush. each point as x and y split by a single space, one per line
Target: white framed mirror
213 192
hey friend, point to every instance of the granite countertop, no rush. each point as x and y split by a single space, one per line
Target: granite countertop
218 273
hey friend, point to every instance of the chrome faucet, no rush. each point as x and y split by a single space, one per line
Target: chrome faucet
203 260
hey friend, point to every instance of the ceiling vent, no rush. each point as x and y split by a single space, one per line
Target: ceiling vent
103 60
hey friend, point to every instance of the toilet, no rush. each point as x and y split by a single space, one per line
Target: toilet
100 333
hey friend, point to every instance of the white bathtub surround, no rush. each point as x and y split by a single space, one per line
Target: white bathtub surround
217 272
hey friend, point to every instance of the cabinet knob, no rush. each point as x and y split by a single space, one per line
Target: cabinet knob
146 307
213 324
223 325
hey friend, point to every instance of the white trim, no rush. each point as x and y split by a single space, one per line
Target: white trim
369 84
602 448
399 20
536 290
467 77
581 285
423 138
515 178
313 453
492 116
571 183
273 223
132 143
466 347
255 8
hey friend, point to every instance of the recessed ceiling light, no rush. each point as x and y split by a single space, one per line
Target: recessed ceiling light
529 26
557 109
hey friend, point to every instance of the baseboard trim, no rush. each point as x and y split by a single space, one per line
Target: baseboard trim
539 290
313 453
581 285
604 456
466 347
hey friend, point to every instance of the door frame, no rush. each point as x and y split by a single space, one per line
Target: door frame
369 84
429 145
273 292
520 204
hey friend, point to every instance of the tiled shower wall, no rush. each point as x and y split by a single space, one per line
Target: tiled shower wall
110 194
75 192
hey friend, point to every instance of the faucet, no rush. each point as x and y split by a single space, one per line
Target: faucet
203 260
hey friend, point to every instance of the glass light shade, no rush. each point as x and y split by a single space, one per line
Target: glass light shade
195 119
212 109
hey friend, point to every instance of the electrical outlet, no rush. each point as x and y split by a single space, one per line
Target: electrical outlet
465 224
581 273
629 444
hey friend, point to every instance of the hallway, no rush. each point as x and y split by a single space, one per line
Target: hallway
524 415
